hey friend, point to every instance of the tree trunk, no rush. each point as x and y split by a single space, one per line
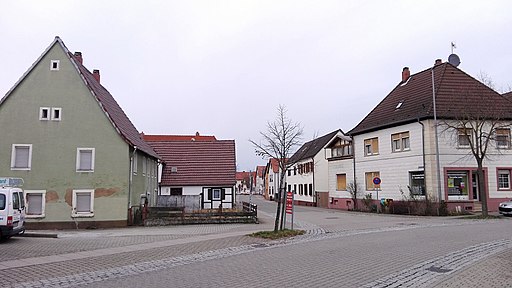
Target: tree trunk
282 196
481 189
283 208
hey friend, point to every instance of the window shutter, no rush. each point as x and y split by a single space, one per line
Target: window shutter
83 202
85 160
210 194
35 204
21 157
223 194
375 145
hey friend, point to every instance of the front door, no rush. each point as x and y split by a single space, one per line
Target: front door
474 185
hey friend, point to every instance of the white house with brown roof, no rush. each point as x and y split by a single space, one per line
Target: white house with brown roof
197 165
396 142
307 174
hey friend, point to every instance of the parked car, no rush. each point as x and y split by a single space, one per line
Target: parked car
506 208
12 207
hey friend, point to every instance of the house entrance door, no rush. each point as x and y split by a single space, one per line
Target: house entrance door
474 185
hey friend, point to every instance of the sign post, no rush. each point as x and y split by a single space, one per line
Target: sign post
377 181
289 204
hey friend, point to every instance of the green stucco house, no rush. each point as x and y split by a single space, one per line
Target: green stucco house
83 162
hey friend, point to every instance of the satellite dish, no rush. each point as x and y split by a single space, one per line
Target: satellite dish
454 60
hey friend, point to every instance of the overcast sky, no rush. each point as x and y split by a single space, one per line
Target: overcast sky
222 67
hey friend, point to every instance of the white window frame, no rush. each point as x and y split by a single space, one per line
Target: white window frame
13 157
76 214
43 204
48 110
78 150
135 161
144 166
53 114
506 135
371 146
461 133
213 194
399 141
508 173
56 68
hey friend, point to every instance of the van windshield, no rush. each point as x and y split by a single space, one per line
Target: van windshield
2 201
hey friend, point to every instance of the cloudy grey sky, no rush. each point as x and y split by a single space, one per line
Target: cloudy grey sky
223 67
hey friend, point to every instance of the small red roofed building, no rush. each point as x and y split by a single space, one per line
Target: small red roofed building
272 177
259 180
243 182
197 165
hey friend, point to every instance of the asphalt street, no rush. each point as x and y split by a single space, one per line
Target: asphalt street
340 249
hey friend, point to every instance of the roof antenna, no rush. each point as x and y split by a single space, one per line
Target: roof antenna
453 58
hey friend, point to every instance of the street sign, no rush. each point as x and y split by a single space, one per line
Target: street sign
376 181
289 203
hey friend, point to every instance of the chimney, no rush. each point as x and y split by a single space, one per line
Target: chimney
405 74
96 74
78 57
197 133
438 61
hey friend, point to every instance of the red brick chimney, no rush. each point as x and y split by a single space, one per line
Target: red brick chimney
78 57
438 61
405 74
96 74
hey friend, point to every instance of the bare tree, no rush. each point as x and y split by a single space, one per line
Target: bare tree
353 188
477 124
281 137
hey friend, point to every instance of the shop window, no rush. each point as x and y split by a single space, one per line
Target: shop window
457 183
417 182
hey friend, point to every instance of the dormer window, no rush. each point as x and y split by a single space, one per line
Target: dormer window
44 113
54 65
56 114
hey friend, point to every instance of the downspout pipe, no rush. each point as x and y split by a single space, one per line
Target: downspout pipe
131 178
423 154
354 170
438 166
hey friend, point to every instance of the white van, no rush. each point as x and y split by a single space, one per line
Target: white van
12 207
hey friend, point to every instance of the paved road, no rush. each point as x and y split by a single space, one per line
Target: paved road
341 249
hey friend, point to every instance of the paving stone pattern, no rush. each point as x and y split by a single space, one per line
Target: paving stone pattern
418 275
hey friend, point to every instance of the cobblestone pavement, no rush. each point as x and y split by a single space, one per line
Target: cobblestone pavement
341 249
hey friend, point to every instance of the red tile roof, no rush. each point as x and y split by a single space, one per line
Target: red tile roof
242 175
260 170
197 163
178 138
116 115
275 164
457 94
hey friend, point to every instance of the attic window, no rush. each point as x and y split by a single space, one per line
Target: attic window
54 65
399 105
174 169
